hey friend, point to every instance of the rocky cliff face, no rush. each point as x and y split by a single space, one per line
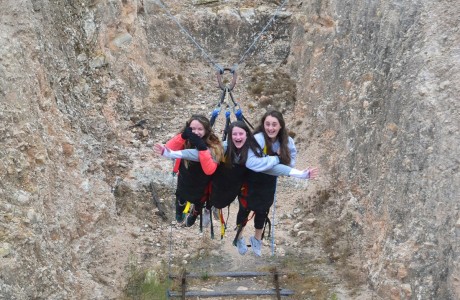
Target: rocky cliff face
370 90
379 85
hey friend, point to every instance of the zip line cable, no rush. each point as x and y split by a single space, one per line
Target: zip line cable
204 53
262 32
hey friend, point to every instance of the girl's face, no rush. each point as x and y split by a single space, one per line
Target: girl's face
272 127
239 137
197 128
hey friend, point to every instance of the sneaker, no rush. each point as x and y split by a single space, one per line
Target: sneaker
191 218
180 217
206 217
242 247
256 246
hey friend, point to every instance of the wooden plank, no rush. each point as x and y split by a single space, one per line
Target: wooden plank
224 274
206 294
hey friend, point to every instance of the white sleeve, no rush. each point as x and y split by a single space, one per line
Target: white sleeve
279 170
189 154
259 164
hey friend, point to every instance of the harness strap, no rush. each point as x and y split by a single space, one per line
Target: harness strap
240 227
267 221
222 224
187 207
212 226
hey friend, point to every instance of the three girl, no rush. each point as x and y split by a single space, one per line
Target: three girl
245 157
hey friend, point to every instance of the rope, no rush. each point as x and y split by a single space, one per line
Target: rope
273 223
187 34
170 248
262 32
206 55
169 260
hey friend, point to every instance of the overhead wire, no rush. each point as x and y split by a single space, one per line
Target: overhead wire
208 57
275 14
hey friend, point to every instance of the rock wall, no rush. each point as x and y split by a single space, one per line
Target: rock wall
379 89
372 85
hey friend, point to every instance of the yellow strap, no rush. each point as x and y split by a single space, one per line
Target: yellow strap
222 225
265 149
187 207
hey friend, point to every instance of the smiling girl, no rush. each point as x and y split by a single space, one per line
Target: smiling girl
258 192
194 176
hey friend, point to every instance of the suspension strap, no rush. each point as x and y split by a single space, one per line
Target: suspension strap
267 221
223 225
227 123
227 96
188 35
212 226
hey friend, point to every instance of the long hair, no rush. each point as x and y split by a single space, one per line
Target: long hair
250 143
282 137
210 138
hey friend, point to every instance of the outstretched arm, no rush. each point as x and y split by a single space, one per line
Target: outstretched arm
260 164
208 164
283 170
276 170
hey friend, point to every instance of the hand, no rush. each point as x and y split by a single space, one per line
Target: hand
159 149
313 173
304 174
165 152
198 142
186 133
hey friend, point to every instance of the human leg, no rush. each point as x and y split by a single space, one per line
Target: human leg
194 213
180 206
256 240
241 220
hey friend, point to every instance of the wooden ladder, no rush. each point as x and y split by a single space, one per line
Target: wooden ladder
205 294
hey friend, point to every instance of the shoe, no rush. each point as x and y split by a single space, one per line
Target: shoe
180 216
256 246
191 218
242 247
206 217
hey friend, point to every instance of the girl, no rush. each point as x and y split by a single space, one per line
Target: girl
258 191
193 176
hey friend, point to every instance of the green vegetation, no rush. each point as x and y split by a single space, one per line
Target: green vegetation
145 284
